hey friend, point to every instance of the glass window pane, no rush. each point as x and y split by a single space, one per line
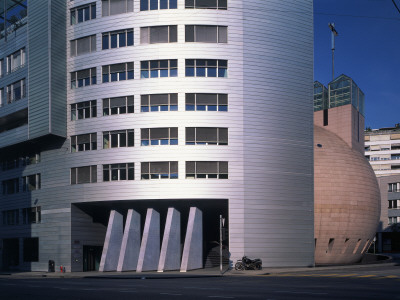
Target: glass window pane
114 39
222 34
163 4
144 4
173 4
129 38
122 39
173 35
153 4
189 33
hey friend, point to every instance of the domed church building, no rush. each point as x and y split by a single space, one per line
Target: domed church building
346 192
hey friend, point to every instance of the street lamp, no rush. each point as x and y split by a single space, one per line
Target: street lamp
334 33
221 225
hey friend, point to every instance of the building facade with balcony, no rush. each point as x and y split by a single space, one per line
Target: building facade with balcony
156 104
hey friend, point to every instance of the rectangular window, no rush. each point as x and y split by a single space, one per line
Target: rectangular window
31 215
208 4
206 136
117 72
83 110
394 204
83 13
31 183
207 169
84 142
158 4
206 68
86 174
1 67
2 102
159 68
394 187
159 102
116 7
11 217
16 60
30 159
158 34
16 161
31 249
16 91
117 172
118 139
206 34
117 39
206 102
118 105
84 77
159 136
159 170
10 186
83 45
393 220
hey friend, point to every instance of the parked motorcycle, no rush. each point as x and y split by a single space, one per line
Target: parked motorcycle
248 264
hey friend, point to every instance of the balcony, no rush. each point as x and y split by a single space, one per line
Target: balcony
14 136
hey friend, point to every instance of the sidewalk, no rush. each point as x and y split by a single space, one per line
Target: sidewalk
209 272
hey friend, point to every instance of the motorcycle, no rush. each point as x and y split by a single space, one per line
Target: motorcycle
248 264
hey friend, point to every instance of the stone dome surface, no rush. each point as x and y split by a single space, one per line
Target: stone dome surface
346 200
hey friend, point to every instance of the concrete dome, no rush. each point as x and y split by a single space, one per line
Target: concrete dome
347 200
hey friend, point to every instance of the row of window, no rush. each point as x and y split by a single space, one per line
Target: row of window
150 103
151 69
393 220
30 215
150 136
14 62
151 170
29 183
394 187
111 7
19 160
14 92
149 35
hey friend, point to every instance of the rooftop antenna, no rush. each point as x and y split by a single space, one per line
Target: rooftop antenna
334 33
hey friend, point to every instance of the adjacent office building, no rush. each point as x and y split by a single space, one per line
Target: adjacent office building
382 149
118 105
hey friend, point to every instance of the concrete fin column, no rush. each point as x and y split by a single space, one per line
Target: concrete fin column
112 243
150 248
170 256
128 257
192 257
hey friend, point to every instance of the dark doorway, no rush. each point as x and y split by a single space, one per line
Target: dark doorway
91 258
10 253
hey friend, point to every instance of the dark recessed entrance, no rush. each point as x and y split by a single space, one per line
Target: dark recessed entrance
10 253
211 209
91 257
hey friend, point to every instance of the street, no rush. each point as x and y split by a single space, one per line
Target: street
376 282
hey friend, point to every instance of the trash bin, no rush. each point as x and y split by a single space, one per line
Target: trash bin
52 265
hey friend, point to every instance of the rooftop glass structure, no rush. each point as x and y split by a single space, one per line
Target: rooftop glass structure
341 91
320 96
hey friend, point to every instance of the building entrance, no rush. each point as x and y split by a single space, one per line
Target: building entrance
10 253
91 257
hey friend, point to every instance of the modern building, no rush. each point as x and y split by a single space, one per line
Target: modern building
345 221
121 105
382 149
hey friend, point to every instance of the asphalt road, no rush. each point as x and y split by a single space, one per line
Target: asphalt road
380 282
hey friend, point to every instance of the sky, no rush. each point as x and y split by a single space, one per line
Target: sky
367 49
